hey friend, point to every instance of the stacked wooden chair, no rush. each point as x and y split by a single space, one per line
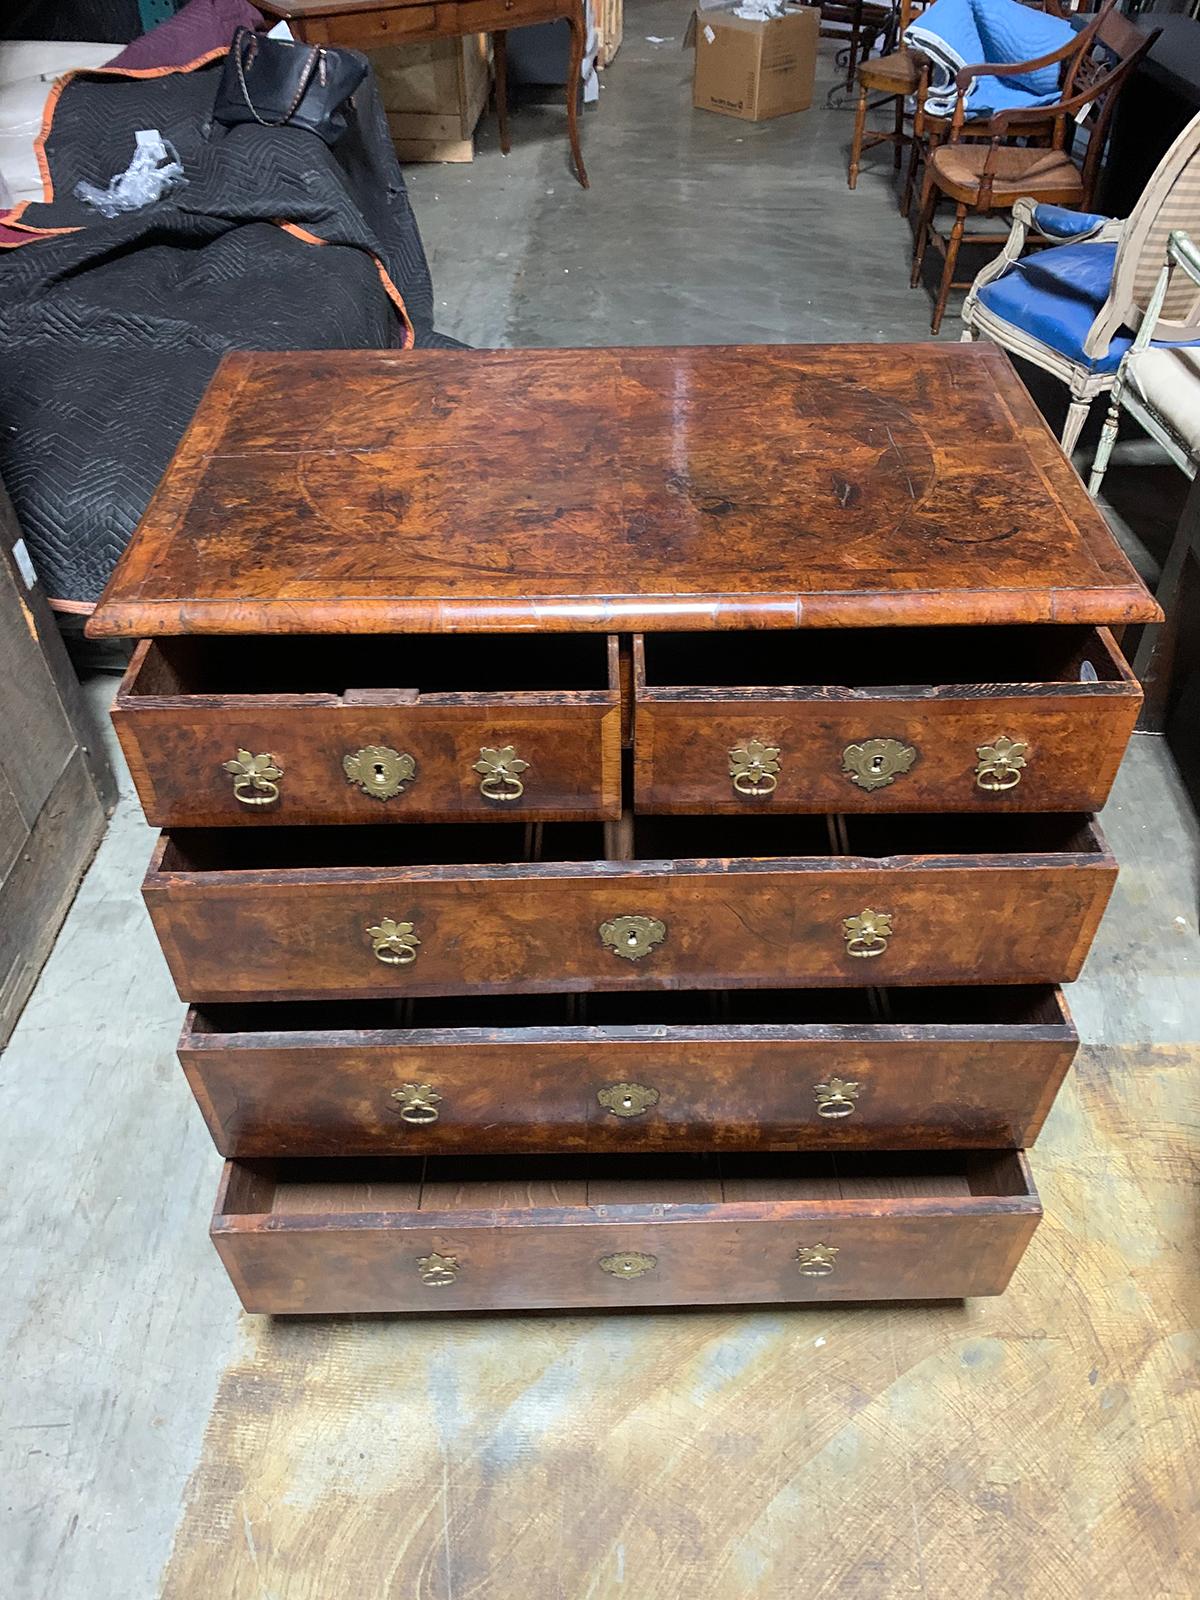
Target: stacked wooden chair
892 80
988 171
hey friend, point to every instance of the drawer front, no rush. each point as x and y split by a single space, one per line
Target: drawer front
563 1089
222 760
707 925
1004 747
908 1242
367 30
493 16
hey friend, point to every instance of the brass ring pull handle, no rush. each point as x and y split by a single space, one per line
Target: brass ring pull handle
379 770
628 1264
837 1098
627 1099
417 1103
499 771
875 763
255 778
868 933
754 768
393 943
816 1260
437 1271
1000 764
632 937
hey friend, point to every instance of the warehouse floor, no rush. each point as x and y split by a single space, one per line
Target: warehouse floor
1046 1443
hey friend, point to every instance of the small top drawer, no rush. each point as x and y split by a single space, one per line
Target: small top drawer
917 719
493 16
298 730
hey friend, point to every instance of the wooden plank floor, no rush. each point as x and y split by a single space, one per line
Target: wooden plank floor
1044 1444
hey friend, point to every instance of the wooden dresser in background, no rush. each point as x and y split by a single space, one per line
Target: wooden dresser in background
626 815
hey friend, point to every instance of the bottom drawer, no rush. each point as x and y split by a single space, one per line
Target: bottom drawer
472 1234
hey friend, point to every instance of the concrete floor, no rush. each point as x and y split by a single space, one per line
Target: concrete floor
131 1374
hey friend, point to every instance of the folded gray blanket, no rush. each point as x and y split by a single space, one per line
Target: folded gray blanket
111 331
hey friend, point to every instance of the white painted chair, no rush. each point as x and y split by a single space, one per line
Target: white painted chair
1159 385
1073 310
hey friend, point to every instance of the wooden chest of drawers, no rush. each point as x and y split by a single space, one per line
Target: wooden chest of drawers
627 814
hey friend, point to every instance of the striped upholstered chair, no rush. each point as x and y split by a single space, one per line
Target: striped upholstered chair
1074 309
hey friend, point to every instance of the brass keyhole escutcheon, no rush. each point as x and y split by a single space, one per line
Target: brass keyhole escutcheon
877 762
631 937
380 771
500 771
627 1099
255 778
436 1270
816 1260
868 933
754 768
836 1098
417 1103
1000 764
394 943
628 1264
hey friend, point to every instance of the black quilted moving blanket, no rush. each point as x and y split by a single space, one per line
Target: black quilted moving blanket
111 331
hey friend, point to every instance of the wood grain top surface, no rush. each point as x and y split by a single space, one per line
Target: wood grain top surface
703 488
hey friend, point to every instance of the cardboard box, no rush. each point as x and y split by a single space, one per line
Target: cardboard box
434 93
754 70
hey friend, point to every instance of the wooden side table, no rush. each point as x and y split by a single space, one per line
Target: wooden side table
367 24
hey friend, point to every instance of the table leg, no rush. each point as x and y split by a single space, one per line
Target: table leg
500 59
578 25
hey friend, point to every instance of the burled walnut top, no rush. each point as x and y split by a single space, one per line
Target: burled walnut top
753 486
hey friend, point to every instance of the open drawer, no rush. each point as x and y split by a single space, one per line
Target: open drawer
756 902
753 1069
467 1233
376 728
905 719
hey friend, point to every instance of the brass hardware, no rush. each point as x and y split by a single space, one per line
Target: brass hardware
500 769
816 1260
436 1270
875 763
1000 764
754 768
631 937
868 933
417 1102
627 1099
835 1098
628 1264
380 771
393 943
255 778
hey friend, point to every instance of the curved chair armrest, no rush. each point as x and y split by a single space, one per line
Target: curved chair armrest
1073 227
1011 69
1181 252
1022 219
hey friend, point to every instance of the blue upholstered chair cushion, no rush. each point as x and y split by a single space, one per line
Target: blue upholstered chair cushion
1055 297
1056 222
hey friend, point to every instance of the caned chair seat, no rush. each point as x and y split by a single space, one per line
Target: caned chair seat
958 171
898 73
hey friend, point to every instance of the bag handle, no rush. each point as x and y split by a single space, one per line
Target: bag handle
306 73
